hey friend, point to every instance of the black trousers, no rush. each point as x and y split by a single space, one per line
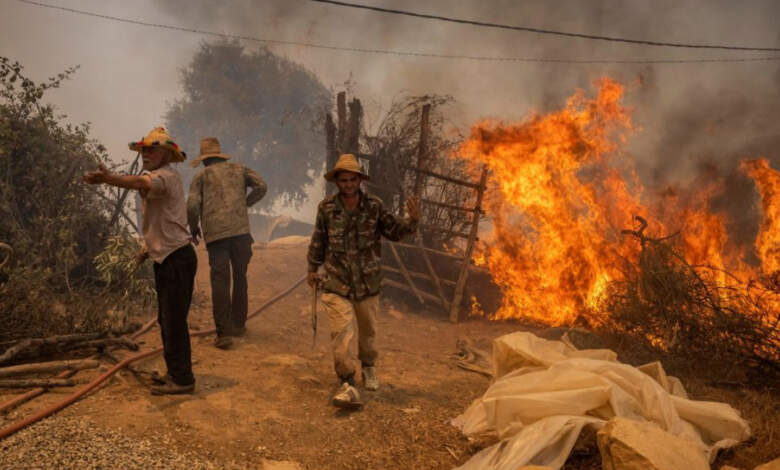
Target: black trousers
226 256
174 279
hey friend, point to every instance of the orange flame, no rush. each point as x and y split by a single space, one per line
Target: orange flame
768 241
559 193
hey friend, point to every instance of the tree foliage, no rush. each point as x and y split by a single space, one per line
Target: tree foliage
55 224
261 107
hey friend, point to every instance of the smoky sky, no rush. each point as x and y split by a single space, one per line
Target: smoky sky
688 115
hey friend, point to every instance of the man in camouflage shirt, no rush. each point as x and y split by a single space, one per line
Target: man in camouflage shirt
347 243
218 201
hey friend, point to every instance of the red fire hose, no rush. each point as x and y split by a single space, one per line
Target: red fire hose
7 431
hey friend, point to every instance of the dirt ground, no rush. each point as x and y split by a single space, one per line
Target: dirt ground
267 399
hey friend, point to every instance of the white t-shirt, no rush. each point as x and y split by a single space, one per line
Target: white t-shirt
164 214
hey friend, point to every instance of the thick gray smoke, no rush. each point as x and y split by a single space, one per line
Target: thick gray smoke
692 116
688 112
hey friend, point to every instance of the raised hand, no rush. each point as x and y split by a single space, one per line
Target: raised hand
97 177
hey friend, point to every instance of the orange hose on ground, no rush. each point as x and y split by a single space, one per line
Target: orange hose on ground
21 424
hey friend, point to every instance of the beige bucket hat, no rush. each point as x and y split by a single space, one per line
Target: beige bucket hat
159 137
346 162
209 147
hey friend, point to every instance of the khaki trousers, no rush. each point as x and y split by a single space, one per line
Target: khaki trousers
343 315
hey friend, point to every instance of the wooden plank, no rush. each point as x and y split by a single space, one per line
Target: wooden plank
405 273
32 383
432 174
341 112
404 287
434 228
430 250
449 179
416 274
429 267
332 153
353 126
54 366
464 272
479 269
447 206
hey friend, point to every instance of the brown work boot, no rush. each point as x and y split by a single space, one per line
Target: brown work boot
172 388
223 342
347 397
160 379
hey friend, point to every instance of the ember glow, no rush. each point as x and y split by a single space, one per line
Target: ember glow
560 191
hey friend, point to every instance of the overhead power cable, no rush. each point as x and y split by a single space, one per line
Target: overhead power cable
550 31
396 52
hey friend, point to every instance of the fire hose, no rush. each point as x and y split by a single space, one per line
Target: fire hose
21 424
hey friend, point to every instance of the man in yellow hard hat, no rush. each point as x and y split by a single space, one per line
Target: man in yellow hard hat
347 243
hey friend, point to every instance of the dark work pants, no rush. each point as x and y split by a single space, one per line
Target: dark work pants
174 279
226 256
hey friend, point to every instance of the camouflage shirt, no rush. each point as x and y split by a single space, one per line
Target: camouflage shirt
349 244
219 202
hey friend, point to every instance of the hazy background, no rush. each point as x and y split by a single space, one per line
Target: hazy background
688 113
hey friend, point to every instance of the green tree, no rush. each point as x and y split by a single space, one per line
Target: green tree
56 225
261 108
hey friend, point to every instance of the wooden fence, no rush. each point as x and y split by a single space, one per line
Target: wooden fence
413 266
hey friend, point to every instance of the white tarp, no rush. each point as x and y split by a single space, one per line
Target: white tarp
544 393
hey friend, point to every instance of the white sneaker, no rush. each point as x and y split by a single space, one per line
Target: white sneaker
347 397
370 381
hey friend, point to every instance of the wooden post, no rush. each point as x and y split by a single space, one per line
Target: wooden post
332 152
352 137
341 110
405 273
464 273
419 187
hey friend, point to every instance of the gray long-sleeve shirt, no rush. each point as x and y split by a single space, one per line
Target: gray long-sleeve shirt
218 200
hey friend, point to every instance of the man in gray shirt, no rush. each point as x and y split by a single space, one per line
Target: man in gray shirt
218 203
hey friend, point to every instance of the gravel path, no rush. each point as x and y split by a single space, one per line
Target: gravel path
75 443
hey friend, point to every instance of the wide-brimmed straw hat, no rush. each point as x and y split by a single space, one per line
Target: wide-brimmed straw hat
158 137
209 147
346 162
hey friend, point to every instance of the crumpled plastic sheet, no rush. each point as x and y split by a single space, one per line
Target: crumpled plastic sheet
545 392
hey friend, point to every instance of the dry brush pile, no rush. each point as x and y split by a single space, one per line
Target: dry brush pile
696 318
68 256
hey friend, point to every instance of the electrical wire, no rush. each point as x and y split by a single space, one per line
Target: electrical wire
549 31
394 52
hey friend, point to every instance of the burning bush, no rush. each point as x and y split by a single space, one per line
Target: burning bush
665 306
55 225
561 190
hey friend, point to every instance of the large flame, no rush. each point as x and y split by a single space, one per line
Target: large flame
560 192
768 241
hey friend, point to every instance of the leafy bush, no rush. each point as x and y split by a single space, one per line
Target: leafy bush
55 224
